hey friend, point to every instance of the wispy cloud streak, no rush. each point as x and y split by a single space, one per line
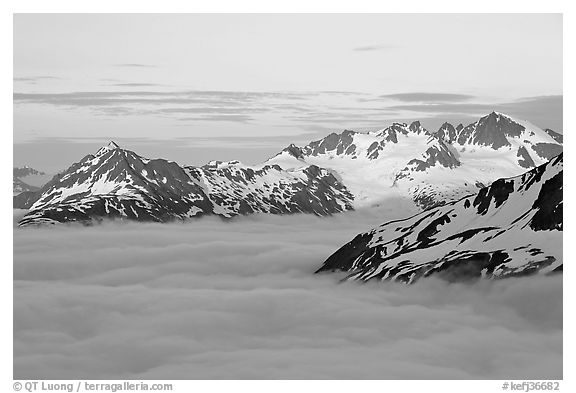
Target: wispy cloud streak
135 65
428 97
371 48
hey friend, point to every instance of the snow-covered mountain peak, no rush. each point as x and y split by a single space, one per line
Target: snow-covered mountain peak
497 130
492 130
429 167
120 183
109 147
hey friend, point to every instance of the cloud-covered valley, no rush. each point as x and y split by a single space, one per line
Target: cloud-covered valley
209 299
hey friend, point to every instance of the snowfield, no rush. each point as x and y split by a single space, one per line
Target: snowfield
213 300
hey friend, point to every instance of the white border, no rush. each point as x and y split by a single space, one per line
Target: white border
259 6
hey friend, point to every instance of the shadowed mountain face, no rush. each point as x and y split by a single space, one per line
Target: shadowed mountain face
513 227
557 137
492 130
447 132
120 183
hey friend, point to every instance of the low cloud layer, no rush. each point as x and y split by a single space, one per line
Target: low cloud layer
208 299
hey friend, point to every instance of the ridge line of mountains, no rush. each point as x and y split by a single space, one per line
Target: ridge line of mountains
337 173
486 198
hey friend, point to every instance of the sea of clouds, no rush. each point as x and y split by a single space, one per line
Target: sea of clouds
209 299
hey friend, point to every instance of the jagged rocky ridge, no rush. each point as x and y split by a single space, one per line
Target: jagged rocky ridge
512 227
119 183
406 160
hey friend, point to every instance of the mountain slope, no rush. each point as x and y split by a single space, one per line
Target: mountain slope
513 227
557 137
119 183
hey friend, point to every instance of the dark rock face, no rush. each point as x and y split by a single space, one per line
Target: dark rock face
548 205
343 258
391 133
439 153
118 183
338 143
507 229
447 132
294 151
547 150
557 137
525 161
493 129
374 150
417 128
465 133
493 196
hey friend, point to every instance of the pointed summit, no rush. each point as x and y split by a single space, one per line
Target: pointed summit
109 147
294 151
447 132
417 128
491 130
390 133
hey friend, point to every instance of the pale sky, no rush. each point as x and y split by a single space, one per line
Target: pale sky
192 88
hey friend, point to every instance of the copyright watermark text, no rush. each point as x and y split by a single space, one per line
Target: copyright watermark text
84 386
